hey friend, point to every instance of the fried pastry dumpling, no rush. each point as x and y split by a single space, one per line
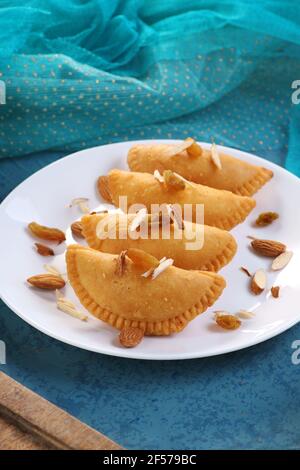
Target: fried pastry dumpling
159 306
216 250
222 209
234 175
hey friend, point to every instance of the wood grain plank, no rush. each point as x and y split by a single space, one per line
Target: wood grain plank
26 419
13 438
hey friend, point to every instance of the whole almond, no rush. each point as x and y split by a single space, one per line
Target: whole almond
103 188
76 228
282 260
258 282
44 250
130 337
269 248
46 233
46 281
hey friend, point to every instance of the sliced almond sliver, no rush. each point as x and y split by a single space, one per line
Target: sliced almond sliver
282 260
258 282
246 271
67 306
78 200
84 208
140 217
162 267
215 156
121 262
158 176
184 179
52 270
174 213
220 312
178 148
246 315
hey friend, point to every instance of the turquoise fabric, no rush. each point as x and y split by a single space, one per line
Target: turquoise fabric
83 73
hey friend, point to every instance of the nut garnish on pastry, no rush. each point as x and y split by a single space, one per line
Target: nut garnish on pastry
215 156
121 260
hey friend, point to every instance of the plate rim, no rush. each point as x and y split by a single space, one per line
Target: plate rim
124 353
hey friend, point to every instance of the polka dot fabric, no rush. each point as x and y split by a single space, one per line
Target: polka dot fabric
171 72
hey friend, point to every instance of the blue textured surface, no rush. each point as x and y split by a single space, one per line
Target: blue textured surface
248 399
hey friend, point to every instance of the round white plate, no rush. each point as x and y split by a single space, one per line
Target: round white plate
44 198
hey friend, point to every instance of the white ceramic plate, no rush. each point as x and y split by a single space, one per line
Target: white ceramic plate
44 198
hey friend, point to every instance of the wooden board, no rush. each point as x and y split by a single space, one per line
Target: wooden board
28 421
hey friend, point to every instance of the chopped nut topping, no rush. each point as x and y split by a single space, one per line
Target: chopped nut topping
245 314
121 261
275 291
258 282
44 250
245 270
215 156
140 217
173 150
158 176
67 306
282 260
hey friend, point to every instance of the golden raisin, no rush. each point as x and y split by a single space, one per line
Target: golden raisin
266 218
173 181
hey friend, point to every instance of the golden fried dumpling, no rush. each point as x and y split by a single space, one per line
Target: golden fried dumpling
215 249
124 297
235 175
222 209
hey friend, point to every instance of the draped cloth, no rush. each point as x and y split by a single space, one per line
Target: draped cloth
81 73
